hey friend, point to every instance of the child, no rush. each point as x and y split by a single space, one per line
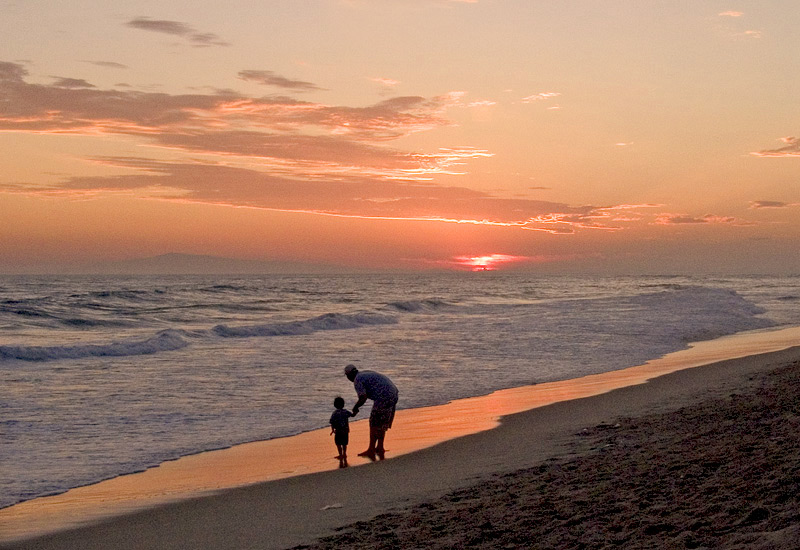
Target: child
341 427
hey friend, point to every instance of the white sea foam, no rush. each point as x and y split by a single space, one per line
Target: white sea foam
329 321
167 340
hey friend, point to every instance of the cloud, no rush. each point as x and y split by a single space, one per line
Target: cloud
12 72
42 108
288 136
482 103
355 196
540 97
388 82
71 83
268 78
771 204
176 28
683 219
731 14
791 149
108 64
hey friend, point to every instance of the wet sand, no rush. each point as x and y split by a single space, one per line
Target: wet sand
301 508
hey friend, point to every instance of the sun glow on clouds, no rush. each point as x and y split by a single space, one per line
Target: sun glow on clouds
492 262
791 149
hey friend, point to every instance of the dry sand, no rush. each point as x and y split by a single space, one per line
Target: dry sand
707 470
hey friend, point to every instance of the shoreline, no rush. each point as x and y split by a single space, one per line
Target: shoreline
442 424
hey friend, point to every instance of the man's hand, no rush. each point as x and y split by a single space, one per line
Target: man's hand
355 410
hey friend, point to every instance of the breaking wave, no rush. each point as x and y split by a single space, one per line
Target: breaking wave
329 321
166 340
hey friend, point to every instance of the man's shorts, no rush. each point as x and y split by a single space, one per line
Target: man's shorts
382 414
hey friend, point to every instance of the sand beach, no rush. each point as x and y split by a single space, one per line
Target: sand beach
700 457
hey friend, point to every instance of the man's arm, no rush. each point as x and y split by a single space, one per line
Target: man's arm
359 403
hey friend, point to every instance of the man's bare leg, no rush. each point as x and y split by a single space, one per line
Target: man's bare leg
373 438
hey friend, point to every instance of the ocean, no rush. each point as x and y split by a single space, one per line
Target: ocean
102 376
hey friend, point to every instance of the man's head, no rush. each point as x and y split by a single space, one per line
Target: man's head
350 372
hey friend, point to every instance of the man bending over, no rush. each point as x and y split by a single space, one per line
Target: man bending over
375 386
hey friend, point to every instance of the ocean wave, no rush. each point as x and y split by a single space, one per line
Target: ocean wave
81 322
695 313
329 321
417 306
167 340
23 312
129 294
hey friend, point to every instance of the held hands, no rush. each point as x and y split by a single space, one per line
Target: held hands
355 410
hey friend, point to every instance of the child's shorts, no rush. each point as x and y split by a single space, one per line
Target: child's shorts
341 438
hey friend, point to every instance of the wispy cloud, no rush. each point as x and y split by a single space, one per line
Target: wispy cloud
107 64
791 149
42 108
731 14
353 196
541 96
72 83
177 28
388 82
269 78
772 204
683 219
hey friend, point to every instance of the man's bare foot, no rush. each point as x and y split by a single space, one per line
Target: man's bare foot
369 453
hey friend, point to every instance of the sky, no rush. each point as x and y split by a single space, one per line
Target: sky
544 136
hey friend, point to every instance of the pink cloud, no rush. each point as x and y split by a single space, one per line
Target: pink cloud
77 109
791 149
344 196
683 219
731 14
388 82
771 204
540 97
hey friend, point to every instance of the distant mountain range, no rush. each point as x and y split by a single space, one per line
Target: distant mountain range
190 264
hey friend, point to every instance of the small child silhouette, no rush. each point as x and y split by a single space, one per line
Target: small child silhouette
341 427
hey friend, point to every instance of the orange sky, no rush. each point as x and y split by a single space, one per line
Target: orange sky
607 137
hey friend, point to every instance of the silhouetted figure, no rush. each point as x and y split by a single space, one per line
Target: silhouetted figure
383 393
340 427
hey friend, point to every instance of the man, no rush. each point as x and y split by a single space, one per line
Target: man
375 386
